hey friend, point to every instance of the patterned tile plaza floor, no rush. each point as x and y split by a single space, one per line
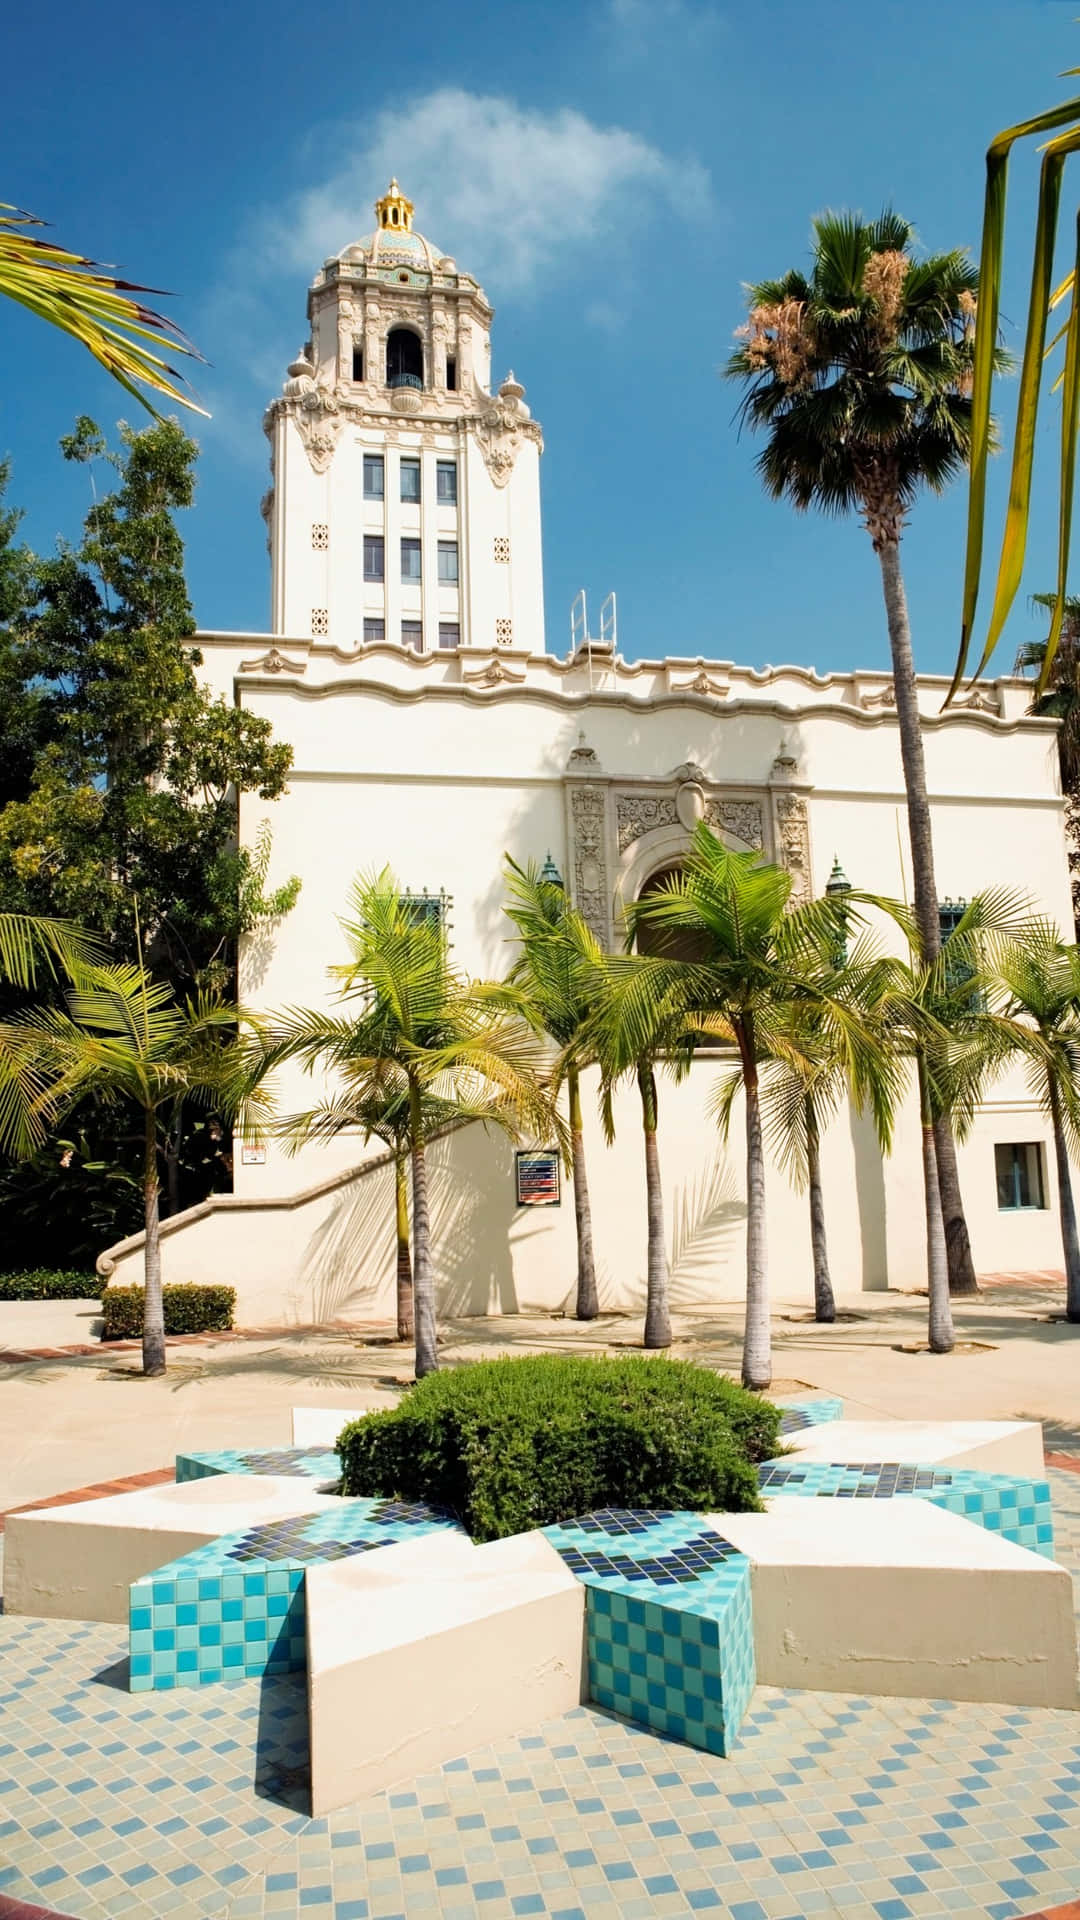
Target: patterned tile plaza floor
191 1805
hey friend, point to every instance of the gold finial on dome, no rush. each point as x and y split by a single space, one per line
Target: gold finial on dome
394 211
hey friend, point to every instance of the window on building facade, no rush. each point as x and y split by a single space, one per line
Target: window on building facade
451 375
374 630
446 483
412 635
374 562
1019 1172
410 480
404 358
427 909
410 560
449 633
373 476
957 970
358 363
448 563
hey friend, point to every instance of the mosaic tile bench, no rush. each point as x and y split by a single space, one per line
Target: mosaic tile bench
235 1609
991 1446
301 1463
1019 1510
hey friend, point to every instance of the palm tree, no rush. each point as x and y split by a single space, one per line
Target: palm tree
87 301
31 945
465 1045
123 1036
374 1102
860 375
1035 980
759 964
636 1025
554 939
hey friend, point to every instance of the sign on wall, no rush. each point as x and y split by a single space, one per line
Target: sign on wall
253 1156
537 1175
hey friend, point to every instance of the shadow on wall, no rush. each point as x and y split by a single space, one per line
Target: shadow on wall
707 1211
349 1266
870 1200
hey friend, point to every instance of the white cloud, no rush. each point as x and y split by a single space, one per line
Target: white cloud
641 27
504 188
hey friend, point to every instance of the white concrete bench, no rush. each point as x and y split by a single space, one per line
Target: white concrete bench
421 1652
320 1426
78 1562
992 1446
903 1598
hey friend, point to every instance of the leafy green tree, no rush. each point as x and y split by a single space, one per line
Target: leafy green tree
554 939
859 374
126 1039
760 966
465 1045
132 782
91 304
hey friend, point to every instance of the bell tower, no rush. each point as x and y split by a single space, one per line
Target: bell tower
405 504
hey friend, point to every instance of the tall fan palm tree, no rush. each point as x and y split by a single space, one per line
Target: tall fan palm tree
373 1101
464 1044
89 302
860 374
1035 982
123 1036
554 942
760 965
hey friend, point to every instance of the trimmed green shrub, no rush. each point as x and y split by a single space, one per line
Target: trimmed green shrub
187 1310
50 1283
511 1444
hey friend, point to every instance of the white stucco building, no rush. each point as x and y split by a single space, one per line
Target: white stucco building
435 729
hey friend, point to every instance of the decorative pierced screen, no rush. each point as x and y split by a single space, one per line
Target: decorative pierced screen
320 622
320 536
502 547
504 632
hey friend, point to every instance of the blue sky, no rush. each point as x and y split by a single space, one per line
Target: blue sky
613 171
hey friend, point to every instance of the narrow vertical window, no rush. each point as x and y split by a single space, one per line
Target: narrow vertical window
412 635
374 479
410 561
374 631
374 562
449 634
357 362
410 481
451 375
446 483
448 563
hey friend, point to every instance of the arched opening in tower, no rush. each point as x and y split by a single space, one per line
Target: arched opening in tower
404 358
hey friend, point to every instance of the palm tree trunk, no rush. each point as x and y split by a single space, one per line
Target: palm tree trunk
757 1333
404 1260
1067 1209
940 1328
587 1305
957 1241
427 1352
657 1311
824 1304
153 1339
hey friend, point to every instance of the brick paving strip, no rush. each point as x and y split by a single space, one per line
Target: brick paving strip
130 1483
1070 1911
18 1910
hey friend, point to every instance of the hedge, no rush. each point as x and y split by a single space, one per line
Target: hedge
511 1444
187 1310
50 1283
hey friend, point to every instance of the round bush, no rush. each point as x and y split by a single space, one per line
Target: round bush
507 1445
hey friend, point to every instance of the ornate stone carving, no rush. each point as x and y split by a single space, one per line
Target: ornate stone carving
588 809
273 661
885 697
980 700
406 400
739 818
493 675
638 813
689 771
501 427
583 758
793 843
705 683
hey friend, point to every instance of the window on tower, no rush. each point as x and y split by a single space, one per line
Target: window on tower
357 363
410 481
374 557
448 563
373 476
410 561
451 375
446 483
412 635
404 358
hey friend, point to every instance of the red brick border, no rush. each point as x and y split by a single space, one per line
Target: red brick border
1070 1911
1066 1463
19 1910
130 1483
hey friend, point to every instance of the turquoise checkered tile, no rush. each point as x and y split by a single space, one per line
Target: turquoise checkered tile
670 1637
797 1415
1016 1508
236 1608
293 1463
